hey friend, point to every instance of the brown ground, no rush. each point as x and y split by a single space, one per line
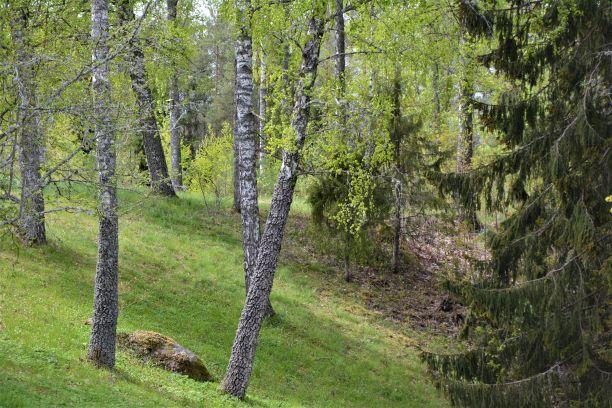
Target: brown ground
415 296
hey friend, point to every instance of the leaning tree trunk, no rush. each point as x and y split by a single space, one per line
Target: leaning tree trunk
245 136
175 113
106 293
245 343
31 223
154 151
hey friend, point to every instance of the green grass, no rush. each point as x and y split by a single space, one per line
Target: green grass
181 274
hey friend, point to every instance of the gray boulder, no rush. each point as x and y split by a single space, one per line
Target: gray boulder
164 352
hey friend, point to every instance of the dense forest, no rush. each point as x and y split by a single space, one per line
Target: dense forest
306 203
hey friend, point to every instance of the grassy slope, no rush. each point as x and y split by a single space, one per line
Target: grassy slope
181 275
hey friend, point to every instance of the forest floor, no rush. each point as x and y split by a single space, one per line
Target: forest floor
414 300
330 345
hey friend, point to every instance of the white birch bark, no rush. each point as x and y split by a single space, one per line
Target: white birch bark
176 168
106 293
243 351
245 136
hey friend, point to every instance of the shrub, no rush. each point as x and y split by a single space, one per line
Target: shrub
211 170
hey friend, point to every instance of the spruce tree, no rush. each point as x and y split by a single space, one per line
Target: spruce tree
540 312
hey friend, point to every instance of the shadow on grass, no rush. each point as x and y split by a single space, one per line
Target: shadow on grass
309 354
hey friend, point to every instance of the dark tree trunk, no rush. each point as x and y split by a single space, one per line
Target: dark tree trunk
154 152
347 257
245 343
245 135
30 140
340 41
340 60
397 226
106 293
397 144
465 137
436 96
176 168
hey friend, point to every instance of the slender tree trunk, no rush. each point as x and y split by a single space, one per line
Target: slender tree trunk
106 293
243 351
340 72
30 140
287 87
262 111
154 151
347 257
340 66
397 143
246 135
397 236
236 168
436 91
176 168
465 137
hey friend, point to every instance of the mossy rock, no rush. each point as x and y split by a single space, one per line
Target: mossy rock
165 352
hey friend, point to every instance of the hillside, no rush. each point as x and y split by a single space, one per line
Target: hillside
181 275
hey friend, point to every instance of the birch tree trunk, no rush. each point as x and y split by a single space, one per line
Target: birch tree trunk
106 305
340 42
245 135
262 111
30 142
175 113
243 351
236 172
154 151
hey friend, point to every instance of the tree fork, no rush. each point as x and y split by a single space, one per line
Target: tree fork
245 136
243 351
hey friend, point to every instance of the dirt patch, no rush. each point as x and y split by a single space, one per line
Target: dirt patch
416 296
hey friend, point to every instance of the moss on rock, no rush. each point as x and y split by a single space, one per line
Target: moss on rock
165 352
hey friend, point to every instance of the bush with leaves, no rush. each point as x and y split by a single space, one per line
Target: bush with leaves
210 172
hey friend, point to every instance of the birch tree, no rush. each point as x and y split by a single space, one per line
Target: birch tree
106 293
175 113
243 351
30 143
245 136
396 138
147 124
262 111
